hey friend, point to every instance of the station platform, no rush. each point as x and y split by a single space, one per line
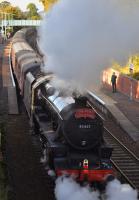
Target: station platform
123 110
8 97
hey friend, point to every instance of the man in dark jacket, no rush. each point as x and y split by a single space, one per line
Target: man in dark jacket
113 81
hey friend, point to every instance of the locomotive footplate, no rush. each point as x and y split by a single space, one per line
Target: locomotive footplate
89 169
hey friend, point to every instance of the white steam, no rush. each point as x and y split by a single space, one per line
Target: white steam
67 88
68 189
79 38
117 191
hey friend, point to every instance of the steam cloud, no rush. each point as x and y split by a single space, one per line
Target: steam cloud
79 38
115 190
68 189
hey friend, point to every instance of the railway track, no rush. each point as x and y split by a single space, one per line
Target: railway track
123 157
124 160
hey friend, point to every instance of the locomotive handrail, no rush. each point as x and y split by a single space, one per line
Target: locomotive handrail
39 81
52 107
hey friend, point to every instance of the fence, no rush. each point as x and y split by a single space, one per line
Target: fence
20 22
125 84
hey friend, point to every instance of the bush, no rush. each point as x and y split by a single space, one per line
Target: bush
125 69
136 75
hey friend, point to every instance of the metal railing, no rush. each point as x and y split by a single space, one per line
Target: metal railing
19 22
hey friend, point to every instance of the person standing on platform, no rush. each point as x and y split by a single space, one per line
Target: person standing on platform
113 81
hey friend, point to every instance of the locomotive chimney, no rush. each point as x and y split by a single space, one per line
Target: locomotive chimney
81 100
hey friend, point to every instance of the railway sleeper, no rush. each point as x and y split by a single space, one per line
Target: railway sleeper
129 167
130 170
124 156
120 151
120 160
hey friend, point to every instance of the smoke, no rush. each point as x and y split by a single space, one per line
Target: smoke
80 38
68 189
115 190
68 88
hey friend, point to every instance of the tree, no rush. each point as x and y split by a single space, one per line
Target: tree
17 13
11 11
4 4
48 3
32 11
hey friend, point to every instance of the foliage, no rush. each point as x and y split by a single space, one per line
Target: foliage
32 11
4 4
11 11
136 75
17 13
125 69
48 3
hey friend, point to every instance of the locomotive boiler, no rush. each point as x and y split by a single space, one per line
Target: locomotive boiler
70 130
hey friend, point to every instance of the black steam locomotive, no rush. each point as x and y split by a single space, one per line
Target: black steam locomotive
70 130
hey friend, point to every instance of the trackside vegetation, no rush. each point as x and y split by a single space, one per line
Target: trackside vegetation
134 60
14 12
48 4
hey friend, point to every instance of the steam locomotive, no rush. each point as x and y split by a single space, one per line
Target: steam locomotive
70 130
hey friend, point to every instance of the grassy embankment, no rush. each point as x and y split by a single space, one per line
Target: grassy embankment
3 179
125 69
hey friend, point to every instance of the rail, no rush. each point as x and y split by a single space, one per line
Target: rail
124 160
122 144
